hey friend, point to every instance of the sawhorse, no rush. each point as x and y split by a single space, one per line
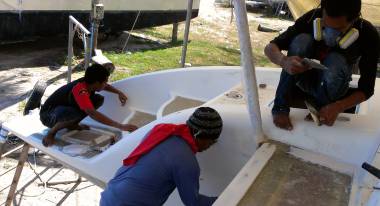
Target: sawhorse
22 159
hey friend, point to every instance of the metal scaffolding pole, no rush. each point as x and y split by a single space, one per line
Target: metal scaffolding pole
73 26
186 35
97 14
249 75
70 51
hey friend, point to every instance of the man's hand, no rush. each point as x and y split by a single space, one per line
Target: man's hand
329 113
293 65
123 98
128 127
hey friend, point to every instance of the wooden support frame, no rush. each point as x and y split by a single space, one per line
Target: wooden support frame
16 177
8 152
20 166
2 148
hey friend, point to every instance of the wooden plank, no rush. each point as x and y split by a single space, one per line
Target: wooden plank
8 152
236 190
300 7
16 177
370 9
2 149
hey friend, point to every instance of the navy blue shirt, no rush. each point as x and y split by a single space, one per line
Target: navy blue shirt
153 178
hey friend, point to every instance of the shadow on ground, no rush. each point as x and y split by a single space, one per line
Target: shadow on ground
39 52
133 43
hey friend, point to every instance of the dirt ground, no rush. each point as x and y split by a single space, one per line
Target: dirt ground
22 64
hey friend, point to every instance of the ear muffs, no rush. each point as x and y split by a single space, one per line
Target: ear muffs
317 25
350 37
344 41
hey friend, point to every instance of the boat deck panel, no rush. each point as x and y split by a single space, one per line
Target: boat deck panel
141 118
180 103
287 181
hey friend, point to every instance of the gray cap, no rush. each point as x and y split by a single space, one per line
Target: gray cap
207 121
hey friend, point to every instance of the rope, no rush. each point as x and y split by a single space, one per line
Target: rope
133 26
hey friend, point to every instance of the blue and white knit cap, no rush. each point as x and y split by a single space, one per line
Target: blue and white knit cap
207 121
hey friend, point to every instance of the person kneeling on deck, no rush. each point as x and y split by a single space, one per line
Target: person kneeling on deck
338 37
68 105
166 160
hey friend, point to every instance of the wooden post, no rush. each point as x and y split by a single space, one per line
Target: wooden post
175 32
16 177
186 35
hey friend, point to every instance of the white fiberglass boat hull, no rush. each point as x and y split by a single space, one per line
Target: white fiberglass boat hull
21 19
347 144
150 94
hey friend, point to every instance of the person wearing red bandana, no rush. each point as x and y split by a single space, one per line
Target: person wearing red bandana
166 160
68 105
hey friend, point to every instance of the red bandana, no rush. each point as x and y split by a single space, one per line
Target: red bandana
157 135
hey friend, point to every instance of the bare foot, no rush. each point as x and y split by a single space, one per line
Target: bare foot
48 140
282 121
308 118
78 127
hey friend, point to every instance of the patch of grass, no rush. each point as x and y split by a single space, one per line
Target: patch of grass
162 32
199 53
208 32
211 44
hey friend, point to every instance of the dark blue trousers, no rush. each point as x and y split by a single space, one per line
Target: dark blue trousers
320 87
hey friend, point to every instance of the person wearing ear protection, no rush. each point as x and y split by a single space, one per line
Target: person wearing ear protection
339 38
166 160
